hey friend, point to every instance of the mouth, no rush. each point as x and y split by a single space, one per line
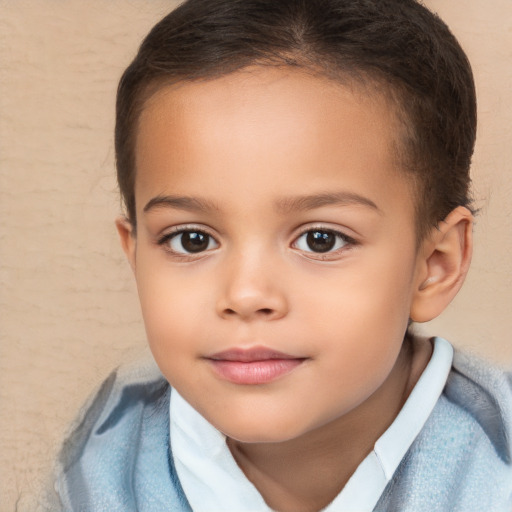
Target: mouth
258 365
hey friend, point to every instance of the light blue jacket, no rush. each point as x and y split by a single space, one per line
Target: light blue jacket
117 458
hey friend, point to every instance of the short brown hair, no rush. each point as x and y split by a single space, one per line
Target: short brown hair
397 45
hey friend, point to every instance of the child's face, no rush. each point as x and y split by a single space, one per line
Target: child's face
293 232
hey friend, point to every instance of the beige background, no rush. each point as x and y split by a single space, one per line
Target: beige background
68 307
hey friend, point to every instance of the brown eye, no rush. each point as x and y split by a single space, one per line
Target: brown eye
191 242
321 241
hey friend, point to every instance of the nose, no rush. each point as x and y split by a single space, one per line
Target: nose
251 290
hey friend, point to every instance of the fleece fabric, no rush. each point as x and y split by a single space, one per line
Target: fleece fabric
118 456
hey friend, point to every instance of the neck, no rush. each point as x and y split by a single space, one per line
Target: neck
333 449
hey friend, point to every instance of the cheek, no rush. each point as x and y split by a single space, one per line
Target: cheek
370 293
173 308
362 314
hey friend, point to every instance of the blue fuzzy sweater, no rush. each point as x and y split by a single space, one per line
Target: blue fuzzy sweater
117 458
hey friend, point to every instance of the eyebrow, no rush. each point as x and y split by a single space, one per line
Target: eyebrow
284 205
310 202
192 204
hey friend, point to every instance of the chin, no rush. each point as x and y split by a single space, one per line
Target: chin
264 431
257 437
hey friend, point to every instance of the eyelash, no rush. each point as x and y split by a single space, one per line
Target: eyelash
168 237
348 242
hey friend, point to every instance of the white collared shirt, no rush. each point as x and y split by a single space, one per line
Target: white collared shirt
213 482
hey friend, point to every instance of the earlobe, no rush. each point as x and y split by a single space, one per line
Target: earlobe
127 239
443 263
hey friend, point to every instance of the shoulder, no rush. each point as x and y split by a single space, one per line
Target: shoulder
462 459
470 435
484 393
116 456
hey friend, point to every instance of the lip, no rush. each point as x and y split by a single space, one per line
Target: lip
256 365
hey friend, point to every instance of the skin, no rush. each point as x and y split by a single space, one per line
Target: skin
250 146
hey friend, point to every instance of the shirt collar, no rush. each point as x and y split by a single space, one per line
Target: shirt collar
213 482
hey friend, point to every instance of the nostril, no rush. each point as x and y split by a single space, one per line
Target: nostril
254 313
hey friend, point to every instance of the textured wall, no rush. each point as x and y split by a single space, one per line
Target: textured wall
68 309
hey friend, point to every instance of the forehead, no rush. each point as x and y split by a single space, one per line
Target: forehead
285 126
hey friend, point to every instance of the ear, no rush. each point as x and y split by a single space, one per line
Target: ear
443 262
127 238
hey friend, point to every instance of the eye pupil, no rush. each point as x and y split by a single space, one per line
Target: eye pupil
320 241
194 241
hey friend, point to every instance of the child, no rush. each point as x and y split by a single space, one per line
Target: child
295 175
